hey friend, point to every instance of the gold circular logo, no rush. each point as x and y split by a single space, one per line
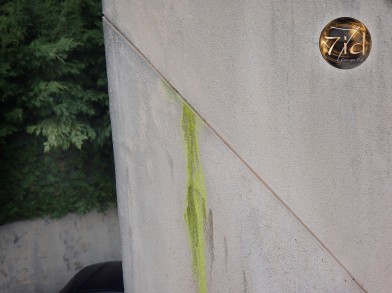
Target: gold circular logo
345 43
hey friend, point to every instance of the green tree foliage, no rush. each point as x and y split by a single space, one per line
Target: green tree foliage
54 121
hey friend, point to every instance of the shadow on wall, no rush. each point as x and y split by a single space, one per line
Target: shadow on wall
42 255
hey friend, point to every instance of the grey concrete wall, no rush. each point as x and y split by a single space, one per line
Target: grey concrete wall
41 256
296 154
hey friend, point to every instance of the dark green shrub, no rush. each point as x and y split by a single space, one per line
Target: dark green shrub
35 184
55 143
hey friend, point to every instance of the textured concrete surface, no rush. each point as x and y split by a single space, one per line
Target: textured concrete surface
318 136
41 256
253 244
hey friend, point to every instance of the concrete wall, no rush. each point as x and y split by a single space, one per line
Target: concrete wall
41 256
296 155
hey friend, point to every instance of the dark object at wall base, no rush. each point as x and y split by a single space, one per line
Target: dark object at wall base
103 277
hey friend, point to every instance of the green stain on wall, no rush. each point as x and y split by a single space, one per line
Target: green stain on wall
170 93
195 214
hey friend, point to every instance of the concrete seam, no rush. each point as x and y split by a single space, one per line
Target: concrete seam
237 155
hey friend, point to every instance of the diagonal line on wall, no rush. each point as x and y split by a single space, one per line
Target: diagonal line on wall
238 156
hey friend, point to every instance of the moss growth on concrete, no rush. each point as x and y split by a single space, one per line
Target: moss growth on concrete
171 93
195 214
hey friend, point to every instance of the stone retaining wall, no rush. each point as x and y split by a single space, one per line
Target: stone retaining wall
42 255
